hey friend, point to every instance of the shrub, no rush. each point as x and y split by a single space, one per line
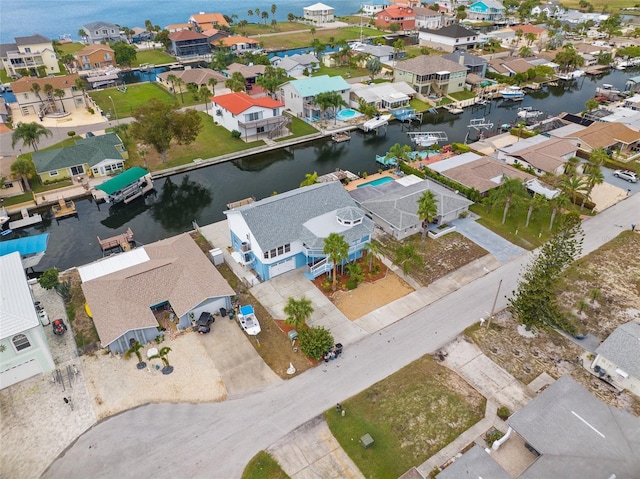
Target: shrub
236 134
49 278
492 436
315 341
351 284
91 110
504 413
71 133
64 290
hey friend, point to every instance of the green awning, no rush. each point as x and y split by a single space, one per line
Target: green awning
122 180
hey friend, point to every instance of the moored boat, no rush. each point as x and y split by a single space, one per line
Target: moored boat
125 187
527 113
512 92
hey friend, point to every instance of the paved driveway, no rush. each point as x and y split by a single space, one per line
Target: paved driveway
503 250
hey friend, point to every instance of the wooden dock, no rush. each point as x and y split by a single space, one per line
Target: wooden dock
341 137
239 203
122 241
26 220
64 208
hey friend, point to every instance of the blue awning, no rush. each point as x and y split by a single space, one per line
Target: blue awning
25 246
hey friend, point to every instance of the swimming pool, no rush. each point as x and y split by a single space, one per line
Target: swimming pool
347 114
377 182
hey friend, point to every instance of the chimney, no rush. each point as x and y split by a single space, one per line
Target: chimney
461 58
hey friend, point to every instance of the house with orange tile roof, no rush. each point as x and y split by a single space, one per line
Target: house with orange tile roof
95 56
176 27
188 43
204 21
237 44
40 103
610 136
400 15
527 29
254 118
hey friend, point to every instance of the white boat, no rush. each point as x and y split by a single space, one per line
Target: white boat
607 89
377 122
248 321
574 75
512 92
427 138
527 113
4 216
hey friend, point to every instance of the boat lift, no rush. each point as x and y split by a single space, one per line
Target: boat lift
427 138
480 125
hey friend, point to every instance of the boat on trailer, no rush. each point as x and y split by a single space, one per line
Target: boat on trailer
248 321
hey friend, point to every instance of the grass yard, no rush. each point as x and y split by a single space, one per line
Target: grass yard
598 5
462 95
440 256
155 57
304 39
419 105
84 330
411 415
257 29
299 128
263 466
344 71
16 200
71 48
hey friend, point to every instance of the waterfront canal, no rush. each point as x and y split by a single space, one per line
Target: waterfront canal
202 195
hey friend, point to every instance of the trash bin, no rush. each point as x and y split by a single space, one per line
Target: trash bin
223 312
293 335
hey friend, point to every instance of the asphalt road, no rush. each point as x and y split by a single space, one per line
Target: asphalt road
217 440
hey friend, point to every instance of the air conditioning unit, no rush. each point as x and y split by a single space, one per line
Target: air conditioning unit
218 112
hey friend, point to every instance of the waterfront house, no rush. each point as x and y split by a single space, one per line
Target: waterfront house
206 21
427 18
475 64
214 36
449 38
177 27
540 153
298 65
400 15
251 73
29 53
610 136
126 291
94 156
188 43
287 231
95 57
193 76
139 35
254 118
617 358
299 95
236 43
318 13
431 75
382 96
371 8
394 205
30 103
12 186
486 11
565 431
550 9
98 32
510 66
385 53
24 351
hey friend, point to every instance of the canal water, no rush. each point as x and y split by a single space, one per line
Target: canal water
202 195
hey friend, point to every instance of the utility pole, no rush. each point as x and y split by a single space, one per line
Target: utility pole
493 307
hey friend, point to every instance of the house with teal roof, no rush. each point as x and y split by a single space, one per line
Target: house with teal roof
299 96
94 156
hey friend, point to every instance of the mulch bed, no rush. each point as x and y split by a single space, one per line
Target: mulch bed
341 284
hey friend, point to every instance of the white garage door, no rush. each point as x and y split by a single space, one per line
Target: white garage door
283 267
19 373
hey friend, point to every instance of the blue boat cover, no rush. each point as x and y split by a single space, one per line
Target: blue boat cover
25 246
246 310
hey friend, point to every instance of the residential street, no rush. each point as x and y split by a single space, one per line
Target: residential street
217 440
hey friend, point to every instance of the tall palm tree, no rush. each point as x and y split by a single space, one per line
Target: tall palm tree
400 152
571 166
236 82
427 211
29 134
24 169
373 250
179 83
572 186
337 250
204 93
538 202
35 88
172 79
330 99
298 311
60 93
560 202
509 192
212 83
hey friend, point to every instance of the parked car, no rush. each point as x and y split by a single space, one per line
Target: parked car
627 175
204 322
59 327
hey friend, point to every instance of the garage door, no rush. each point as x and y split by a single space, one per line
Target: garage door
19 373
283 267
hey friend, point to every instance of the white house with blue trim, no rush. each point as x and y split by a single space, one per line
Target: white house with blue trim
486 10
285 232
299 96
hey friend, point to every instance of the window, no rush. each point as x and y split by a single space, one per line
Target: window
77 170
272 253
266 255
20 342
260 129
280 250
275 112
27 50
287 247
53 173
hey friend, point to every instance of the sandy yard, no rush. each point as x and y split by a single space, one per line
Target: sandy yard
115 384
605 195
368 297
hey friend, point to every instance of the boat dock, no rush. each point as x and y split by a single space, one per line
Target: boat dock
341 137
26 220
239 203
338 175
64 208
122 241
375 123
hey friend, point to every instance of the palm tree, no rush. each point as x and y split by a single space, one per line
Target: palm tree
250 13
179 82
35 88
204 93
309 179
24 169
530 38
162 355
236 82
373 250
406 257
298 311
571 166
374 66
265 16
29 134
337 250
273 9
510 191
399 152
60 93
312 30
538 202
558 203
331 99
82 34
525 51
212 83
398 46
135 349
572 186
172 79
427 211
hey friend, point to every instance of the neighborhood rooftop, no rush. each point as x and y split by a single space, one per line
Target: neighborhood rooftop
309 87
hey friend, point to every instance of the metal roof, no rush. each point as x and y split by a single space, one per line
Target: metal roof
25 246
309 87
17 312
122 180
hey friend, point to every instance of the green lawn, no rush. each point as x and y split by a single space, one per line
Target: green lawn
255 29
411 415
4 76
155 57
343 71
263 466
71 47
462 95
299 128
136 96
16 200
419 105
304 39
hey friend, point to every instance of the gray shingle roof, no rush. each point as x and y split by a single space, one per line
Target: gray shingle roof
398 205
31 40
474 464
89 151
6 48
98 25
281 219
428 64
578 435
622 347
469 58
454 30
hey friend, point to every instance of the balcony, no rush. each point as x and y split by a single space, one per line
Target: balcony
274 120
